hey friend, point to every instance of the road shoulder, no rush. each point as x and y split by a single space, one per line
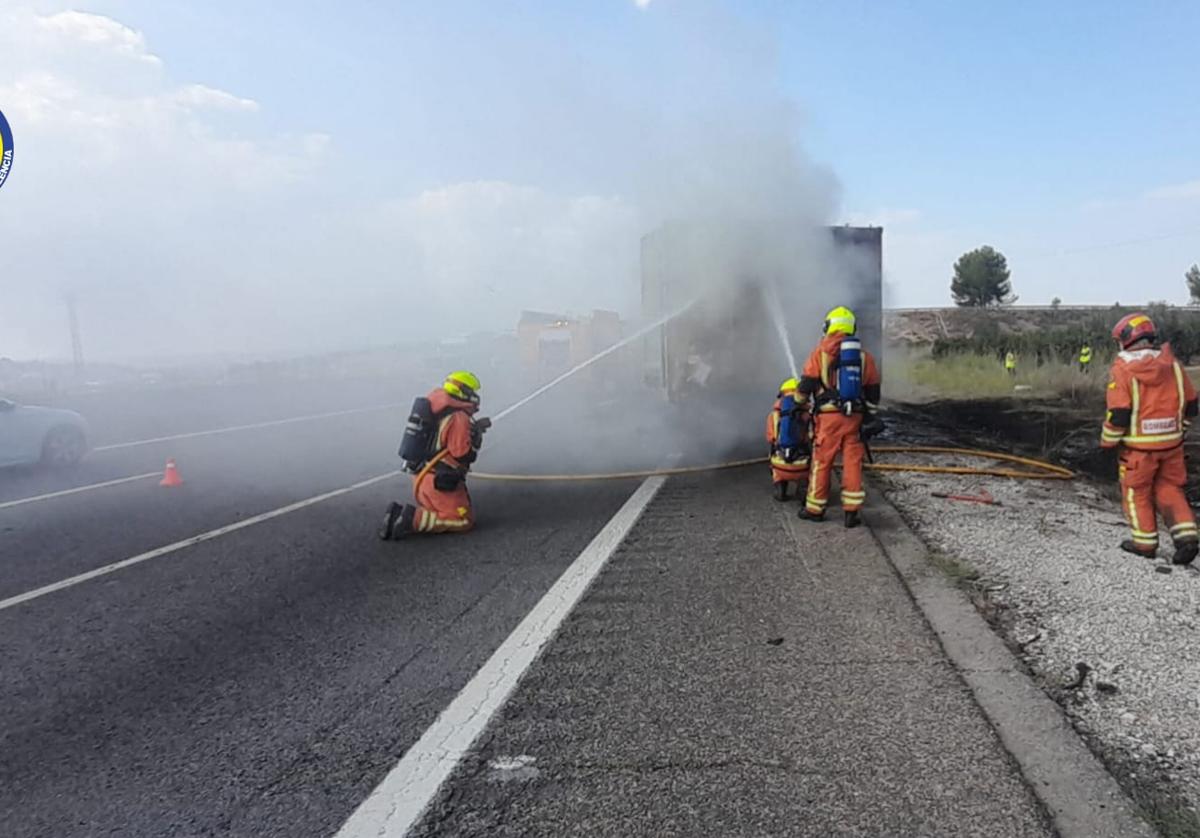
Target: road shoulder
1083 799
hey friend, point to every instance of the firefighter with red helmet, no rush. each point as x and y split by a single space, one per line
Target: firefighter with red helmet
1151 402
788 437
841 380
440 444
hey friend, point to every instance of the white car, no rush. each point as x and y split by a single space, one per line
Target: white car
50 435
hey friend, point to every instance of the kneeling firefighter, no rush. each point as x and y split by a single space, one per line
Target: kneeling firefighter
788 436
842 382
1151 403
441 440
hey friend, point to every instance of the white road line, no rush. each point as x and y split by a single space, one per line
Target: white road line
398 802
77 489
188 542
234 428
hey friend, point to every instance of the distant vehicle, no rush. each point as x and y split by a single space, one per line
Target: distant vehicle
50 435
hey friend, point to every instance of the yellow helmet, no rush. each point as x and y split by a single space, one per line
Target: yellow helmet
791 385
463 385
840 321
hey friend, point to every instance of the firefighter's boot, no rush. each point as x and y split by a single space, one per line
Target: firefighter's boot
397 523
853 519
781 491
1129 547
1185 551
805 515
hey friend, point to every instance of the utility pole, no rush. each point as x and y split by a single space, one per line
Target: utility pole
76 341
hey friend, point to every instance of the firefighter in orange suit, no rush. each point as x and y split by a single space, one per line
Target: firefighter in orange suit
1151 402
787 434
440 487
841 382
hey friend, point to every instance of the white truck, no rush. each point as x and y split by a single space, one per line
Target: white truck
727 344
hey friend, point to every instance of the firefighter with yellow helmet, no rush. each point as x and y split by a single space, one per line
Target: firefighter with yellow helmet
441 441
788 437
841 382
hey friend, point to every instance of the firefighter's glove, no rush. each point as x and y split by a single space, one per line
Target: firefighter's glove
446 479
872 427
477 430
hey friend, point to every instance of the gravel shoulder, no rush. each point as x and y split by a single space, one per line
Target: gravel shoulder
1111 637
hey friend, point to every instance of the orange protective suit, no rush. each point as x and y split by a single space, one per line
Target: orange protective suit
1151 401
835 432
781 470
447 510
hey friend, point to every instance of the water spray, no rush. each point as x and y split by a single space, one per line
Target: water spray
642 332
776 314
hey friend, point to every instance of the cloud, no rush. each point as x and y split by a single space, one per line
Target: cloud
202 96
642 4
1187 190
88 117
1183 191
100 31
136 192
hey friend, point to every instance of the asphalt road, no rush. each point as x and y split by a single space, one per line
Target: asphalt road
261 682
265 661
734 671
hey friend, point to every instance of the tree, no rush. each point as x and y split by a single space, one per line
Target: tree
981 279
1055 303
1193 282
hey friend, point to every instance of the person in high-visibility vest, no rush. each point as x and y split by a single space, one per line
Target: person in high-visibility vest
1010 363
1085 358
1151 402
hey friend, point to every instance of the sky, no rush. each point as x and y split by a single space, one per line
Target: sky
220 177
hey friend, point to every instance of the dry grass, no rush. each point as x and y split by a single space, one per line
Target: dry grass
917 376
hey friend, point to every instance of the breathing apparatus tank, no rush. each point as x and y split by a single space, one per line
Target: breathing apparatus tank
419 431
850 374
791 428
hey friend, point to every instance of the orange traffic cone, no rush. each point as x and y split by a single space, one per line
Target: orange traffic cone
171 475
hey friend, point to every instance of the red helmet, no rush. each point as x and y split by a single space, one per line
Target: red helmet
1132 328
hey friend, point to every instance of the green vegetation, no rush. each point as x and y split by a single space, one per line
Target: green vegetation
1193 282
1061 344
981 278
954 568
974 375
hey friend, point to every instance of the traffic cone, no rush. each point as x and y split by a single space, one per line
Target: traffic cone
171 475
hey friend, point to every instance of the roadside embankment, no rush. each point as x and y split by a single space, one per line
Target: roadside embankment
1112 638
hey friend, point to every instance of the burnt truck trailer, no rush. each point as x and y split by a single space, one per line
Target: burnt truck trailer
726 346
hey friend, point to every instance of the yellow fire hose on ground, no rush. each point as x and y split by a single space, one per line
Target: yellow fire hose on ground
1040 470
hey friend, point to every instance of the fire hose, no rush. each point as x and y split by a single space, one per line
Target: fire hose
1035 469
